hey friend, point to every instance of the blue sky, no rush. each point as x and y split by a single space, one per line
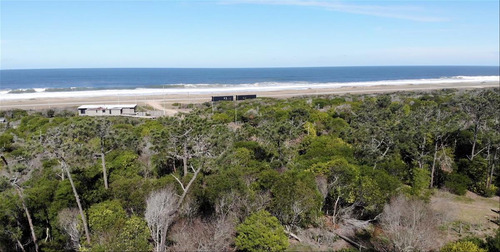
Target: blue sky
253 33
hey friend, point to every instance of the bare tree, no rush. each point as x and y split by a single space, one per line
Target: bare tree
159 205
410 225
212 234
58 143
77 199
182 139
19 190
68 221
162 208
215 234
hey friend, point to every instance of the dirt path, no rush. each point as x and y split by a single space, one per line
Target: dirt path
157 105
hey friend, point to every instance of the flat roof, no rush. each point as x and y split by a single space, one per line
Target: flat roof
113 106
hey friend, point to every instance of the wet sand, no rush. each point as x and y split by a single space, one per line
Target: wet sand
168 99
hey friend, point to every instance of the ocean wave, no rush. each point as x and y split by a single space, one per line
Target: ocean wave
22 91
204 88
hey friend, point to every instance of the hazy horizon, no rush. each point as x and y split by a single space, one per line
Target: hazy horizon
263 67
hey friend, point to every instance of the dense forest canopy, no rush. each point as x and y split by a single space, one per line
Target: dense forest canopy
263 174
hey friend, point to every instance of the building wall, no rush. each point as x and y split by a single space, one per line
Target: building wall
128 111
116 111
91 112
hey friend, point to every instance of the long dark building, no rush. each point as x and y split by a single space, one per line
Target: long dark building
222 98
245 97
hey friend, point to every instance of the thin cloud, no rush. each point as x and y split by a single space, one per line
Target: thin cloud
387 11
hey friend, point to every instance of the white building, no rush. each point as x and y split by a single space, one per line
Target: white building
107 110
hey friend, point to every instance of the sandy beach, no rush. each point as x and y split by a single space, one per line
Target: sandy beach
165 100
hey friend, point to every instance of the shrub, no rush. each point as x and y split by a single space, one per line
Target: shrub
296 200
6 141
134 236
222 118
457 183
261 232
476 240
462 246
409 223
493 242
105 216
477 171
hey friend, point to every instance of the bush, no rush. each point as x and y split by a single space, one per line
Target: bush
134 236
106 216
457 183
477 171
261 232
296 200
493 242
409 223
222 118
462 246
476 240
6 141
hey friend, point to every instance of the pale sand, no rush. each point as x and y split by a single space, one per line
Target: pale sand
165 101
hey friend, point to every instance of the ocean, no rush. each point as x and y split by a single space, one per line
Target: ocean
15 84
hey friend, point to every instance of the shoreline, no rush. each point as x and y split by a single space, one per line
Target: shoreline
187 89
168 99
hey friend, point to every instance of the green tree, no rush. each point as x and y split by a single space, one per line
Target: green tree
107 222
133 236
477 171
457 183
261 232
323 149
106 216
296 199
342 183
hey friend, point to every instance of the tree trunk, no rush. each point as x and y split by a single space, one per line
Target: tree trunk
77 198
433 169
422 148
476 129
28 215
20 245
184 159
104 173
492 169
335 211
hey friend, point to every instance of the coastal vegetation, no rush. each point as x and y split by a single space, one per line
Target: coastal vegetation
370 172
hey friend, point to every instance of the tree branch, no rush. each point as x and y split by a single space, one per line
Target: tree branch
180 183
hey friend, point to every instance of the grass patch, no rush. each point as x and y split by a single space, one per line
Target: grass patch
299 247
463 199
